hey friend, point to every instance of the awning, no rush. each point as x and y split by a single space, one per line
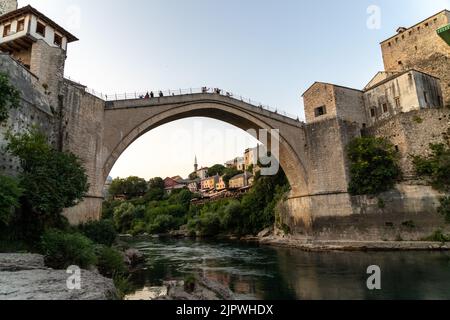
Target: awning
444 33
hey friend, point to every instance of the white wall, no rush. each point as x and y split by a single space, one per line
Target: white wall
14 34
49 33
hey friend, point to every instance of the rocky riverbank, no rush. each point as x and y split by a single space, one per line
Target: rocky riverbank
319 245
25 277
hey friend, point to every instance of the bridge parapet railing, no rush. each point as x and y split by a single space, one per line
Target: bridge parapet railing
178 92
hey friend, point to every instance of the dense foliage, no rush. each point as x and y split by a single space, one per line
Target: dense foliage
373 166
102 232
129 188
110 261
435 166
62 250
217 169
51 181
9 97
164 213
10 193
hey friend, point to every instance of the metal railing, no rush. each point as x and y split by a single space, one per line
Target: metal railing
152 94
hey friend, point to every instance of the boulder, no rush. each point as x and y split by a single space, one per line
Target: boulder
24 277
134 257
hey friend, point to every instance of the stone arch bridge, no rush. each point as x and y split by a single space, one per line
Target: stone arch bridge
311 155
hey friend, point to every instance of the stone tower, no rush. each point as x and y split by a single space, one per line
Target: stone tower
8 6
195 165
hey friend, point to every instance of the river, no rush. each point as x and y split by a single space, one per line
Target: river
260 272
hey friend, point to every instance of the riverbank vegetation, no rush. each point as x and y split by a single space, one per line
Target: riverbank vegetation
435 168
156 212
31 207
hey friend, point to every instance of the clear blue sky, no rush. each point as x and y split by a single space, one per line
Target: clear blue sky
268 50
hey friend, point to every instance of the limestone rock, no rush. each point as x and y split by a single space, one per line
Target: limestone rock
17 262
24 277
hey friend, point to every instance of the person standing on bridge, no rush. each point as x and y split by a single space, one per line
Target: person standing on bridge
147 96
161 94
152 95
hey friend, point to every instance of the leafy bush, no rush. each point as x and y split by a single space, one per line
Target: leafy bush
435 166
101 232
373 166
123 285
10 193
51 180
438 236
444 209
9 97
123 216
62 250
162 224
110 261
138 227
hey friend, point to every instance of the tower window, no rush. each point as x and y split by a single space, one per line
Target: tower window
40 29
397 102
320 111
7 30
20 25
425 95
385 107
58 40
373 112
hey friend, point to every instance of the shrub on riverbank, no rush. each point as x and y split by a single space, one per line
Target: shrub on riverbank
10 193
62 250
51 181
101 232
110 261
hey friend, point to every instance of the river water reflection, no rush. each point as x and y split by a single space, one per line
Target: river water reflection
259 272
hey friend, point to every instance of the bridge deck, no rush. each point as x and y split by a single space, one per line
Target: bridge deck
140 102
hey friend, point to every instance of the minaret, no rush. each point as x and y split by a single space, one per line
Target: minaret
7 6
195 165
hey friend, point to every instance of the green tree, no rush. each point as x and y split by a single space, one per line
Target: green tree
124 216
373 165
131 187
9 97
10 193
156 183
217 169
435 166
51 180
193 176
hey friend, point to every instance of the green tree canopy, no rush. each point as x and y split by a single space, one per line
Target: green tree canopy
51 180
9 97
373 165
156 183
131 187
217 169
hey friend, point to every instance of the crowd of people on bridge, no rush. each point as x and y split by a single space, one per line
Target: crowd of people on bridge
151 94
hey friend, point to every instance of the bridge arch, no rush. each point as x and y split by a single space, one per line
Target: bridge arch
127 121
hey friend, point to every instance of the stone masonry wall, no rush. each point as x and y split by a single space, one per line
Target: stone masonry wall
413 132
350 105
82 134
320 94
34 110
47 63
421 48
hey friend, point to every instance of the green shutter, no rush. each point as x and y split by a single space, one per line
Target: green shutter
444 33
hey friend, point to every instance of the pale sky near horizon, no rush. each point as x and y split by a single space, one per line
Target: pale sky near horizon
268 50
